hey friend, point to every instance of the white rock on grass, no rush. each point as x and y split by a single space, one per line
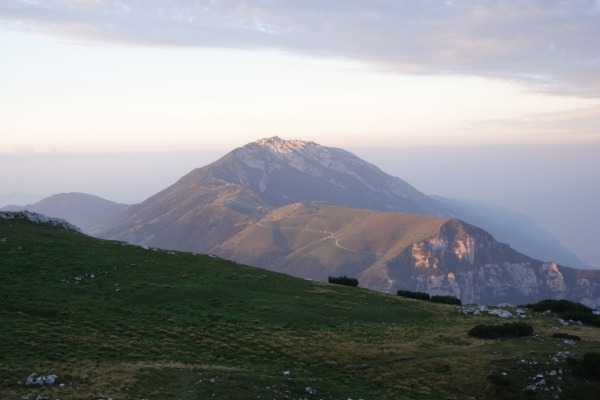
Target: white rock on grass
521 313
501 313
505 305
311 390
36 380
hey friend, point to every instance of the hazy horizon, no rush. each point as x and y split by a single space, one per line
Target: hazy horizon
494 101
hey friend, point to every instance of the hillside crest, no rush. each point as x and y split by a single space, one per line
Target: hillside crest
39 219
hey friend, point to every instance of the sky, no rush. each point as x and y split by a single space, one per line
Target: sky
96 93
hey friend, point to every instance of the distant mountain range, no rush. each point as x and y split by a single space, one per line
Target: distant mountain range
314 211
19 198
308 210
275 172
83 210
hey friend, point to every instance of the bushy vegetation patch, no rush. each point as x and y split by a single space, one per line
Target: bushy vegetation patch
568 310
446 300
560 335
586 318
588 366
426 297
414 295
559 306
507 330
591 364
343 280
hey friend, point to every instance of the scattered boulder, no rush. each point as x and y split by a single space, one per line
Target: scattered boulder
501 313
311 390
39 380
474 309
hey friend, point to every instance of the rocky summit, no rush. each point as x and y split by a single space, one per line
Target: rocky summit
290 171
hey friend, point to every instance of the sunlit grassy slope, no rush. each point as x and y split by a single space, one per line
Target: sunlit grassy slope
119 321
358 230
337 238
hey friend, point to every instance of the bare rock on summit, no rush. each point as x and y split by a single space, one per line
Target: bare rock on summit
291 171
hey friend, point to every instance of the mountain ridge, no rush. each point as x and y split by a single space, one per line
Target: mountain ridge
443 256
37 218
81 209
213 208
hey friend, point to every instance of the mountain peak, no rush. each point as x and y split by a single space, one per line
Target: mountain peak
278 145
289 171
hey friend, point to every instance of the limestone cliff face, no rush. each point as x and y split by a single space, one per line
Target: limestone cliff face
466 262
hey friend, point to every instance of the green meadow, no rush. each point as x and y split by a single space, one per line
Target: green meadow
118 321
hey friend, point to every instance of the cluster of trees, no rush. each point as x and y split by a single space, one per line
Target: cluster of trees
414 295
343 280
568 310
426 297
507 330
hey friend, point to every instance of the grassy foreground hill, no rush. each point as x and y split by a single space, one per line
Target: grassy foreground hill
123 322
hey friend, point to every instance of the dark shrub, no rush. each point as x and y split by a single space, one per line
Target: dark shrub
565 336
500 380
588 367
568 310
343 280
560 306
518 329
586 318
591 365
486 331
507 330
446 300
414 295
425 296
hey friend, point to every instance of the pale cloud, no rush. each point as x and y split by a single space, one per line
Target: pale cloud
551 45
568 126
